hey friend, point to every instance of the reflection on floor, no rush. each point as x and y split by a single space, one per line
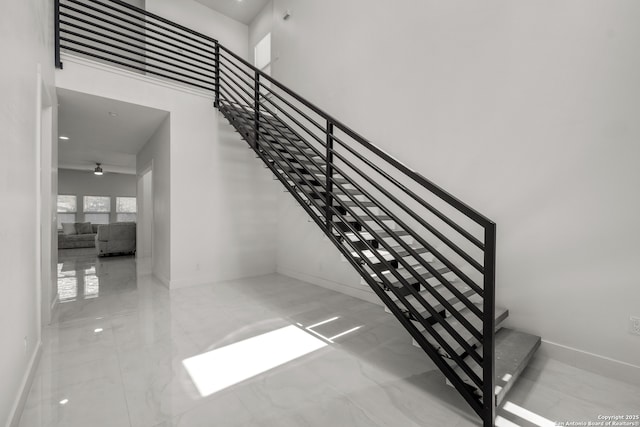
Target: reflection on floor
266 351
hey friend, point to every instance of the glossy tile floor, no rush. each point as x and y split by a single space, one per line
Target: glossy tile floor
265 351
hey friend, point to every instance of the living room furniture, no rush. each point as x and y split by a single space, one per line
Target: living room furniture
69 238
116 238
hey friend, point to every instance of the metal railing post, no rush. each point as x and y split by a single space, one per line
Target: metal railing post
217 76
256 108
329 173
56 25
488 327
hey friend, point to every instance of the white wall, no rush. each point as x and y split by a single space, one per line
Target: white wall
528 111
145 215
221 203
260 27
191 14
156 155
85 183
25 39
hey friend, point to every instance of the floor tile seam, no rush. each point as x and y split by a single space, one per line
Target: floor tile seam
124 391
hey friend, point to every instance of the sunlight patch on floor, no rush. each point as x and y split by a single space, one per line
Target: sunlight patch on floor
223 367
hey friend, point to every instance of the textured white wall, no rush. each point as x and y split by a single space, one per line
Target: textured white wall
528 111
156 154
26 41
260 27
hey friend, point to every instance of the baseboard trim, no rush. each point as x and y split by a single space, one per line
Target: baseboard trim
591 362
54 306
162 280
197 281
364 294
25 386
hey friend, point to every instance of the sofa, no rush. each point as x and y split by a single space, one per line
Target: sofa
116 238
77 235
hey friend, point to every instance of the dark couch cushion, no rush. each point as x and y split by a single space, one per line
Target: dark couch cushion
68 228
84 228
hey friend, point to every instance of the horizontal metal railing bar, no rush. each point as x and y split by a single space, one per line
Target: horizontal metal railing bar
230 80
182 56
454 268
431 248
136 24
434 313
419 277
76 18
124 64
435 189
417 198
416 236
316 124
279 108
458 383
129 43
439 277
411 250
285 136
165 21
436 212
133 60
137 54
415 216
183 34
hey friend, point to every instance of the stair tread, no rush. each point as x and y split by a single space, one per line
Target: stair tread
297 154
368 236
386 254
408 276
352 204
349 218
463 288
501 314
513 350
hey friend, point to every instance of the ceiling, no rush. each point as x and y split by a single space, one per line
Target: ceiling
240 10
96 136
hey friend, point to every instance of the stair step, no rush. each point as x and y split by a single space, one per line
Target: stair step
368 236
410 278
501 315
453 300
364 218
282 146
352 204
293 157
401 252
513 351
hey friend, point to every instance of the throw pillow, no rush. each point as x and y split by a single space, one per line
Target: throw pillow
83 228
68 228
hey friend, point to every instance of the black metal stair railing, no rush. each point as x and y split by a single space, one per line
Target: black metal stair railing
427 255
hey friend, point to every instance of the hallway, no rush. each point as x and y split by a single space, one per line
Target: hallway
116 356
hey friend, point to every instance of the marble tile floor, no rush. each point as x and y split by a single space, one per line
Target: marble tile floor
115 356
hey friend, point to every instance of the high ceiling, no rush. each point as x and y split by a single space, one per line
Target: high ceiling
102 130
240 10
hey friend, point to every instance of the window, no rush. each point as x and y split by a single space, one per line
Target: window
126 209
67 208
97 209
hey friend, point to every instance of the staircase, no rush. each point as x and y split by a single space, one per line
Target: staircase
428 256
446 314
